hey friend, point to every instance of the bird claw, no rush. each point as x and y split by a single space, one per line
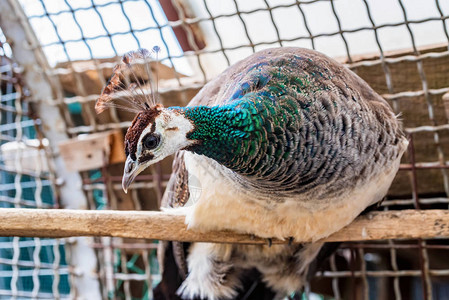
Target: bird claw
290 241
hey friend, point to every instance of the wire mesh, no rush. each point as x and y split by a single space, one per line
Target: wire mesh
401 48
29 267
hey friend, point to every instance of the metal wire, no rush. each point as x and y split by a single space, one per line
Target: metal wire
127 268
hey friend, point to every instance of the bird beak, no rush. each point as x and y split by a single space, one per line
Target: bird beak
132 169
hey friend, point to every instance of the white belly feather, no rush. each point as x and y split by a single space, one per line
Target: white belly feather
222 205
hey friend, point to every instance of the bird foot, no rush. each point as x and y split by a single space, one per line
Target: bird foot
291 240
270 242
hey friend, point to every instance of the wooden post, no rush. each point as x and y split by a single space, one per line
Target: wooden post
165 226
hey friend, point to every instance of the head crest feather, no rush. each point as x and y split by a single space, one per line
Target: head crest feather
125 89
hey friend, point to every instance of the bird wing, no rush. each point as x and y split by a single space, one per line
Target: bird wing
237 80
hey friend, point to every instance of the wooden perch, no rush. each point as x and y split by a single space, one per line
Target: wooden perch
405 224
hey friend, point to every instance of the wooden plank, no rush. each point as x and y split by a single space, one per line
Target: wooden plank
414 112
93 151
165 226
446 104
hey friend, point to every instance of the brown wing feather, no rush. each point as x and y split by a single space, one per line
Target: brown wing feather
177 190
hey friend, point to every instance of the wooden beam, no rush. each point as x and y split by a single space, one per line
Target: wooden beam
405 224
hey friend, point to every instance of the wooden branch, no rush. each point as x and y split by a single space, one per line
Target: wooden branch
405 224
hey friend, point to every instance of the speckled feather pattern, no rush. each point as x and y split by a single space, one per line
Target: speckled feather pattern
283 125
295 122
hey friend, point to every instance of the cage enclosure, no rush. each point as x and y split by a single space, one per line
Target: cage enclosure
55 152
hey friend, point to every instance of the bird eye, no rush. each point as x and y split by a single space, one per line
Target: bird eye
151 141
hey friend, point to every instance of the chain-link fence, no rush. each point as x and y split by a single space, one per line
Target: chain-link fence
399 47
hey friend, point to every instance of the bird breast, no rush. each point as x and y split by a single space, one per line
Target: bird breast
222 203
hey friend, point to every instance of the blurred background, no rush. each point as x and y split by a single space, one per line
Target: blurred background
55 152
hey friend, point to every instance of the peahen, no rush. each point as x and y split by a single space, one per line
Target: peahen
286 143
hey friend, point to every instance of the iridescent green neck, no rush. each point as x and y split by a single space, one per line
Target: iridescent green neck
221 132
252 134
244 134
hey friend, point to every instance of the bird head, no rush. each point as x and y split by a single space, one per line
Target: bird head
154 134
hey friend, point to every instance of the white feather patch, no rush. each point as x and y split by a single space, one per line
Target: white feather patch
221 205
